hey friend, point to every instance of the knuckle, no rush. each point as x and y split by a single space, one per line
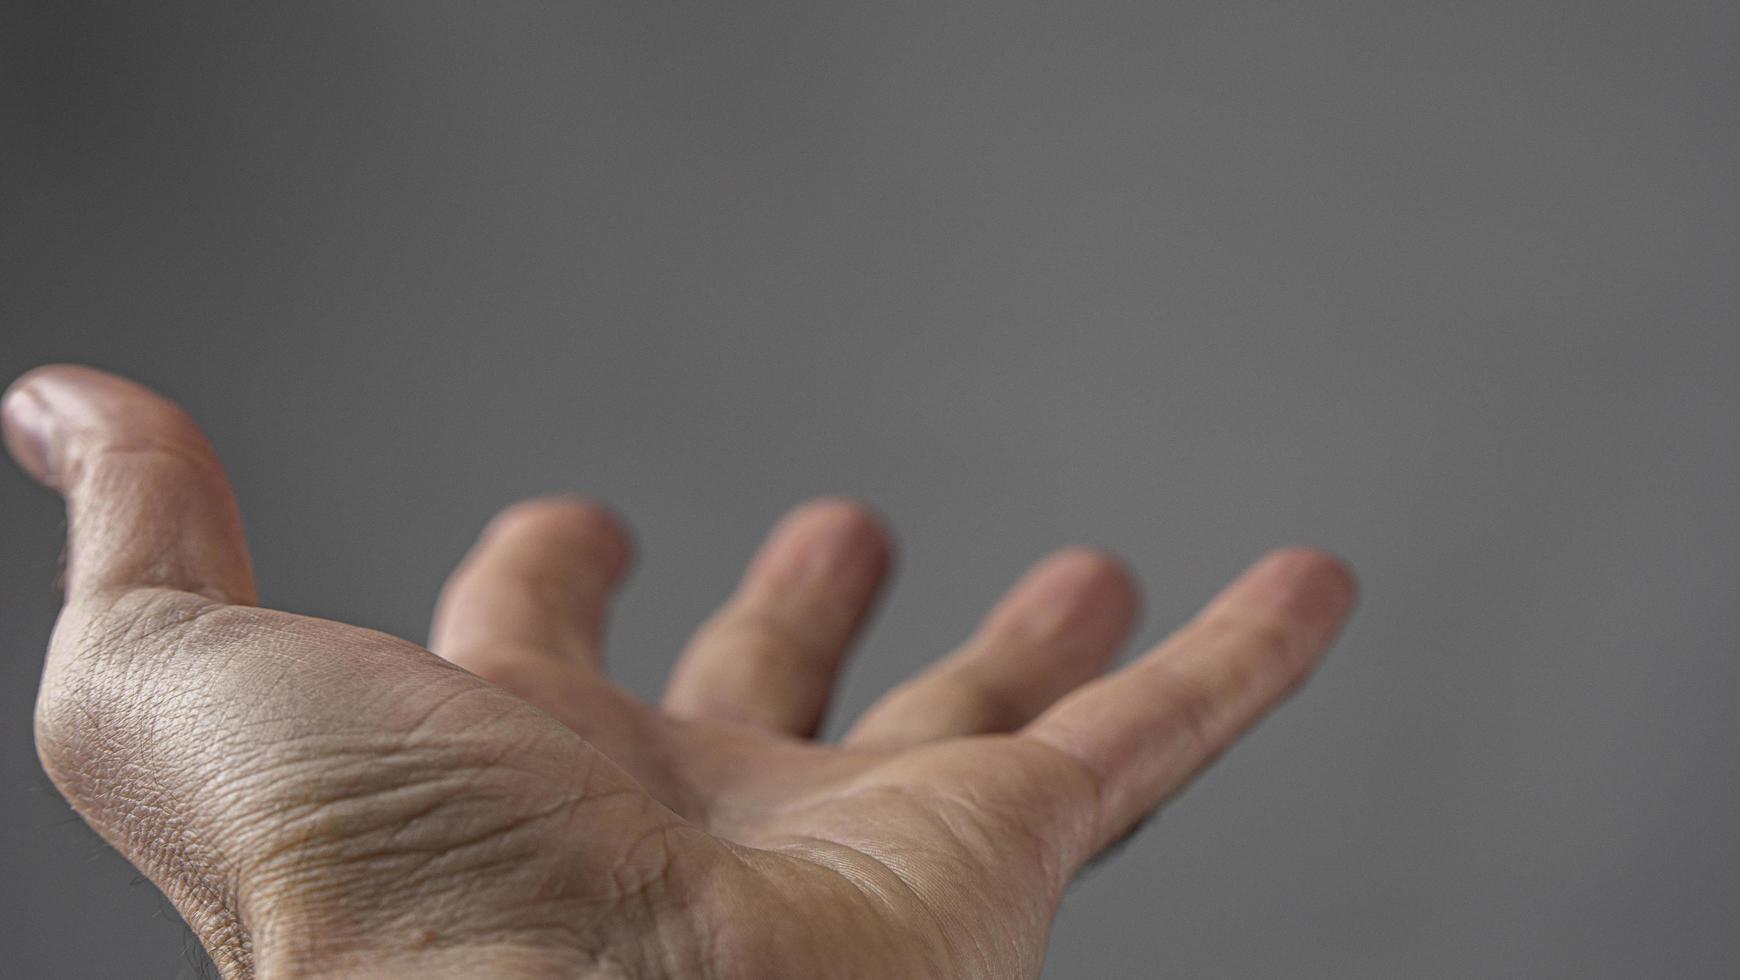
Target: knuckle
1263 640
766 642
119 682
1195 711
155 432
116 728
1271 640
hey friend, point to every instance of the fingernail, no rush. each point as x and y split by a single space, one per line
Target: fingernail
30 430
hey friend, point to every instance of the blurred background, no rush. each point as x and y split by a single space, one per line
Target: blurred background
1452 289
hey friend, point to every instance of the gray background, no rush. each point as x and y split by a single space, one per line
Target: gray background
1449 288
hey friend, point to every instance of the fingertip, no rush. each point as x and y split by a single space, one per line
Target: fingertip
64 385
1071 588
849 515
164 513
47 410
827 539
1307 591
604 534
1312 579
770 655
43 407
1104 571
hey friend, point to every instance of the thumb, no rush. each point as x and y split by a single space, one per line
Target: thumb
148 505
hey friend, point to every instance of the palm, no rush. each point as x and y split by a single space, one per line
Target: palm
940 848
527 810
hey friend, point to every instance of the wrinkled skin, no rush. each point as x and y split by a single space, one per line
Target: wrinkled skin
319 799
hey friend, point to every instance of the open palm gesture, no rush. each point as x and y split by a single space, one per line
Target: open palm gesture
320 799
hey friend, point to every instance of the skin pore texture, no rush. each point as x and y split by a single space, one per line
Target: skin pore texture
320 799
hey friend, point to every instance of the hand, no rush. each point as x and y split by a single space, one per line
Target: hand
319 799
